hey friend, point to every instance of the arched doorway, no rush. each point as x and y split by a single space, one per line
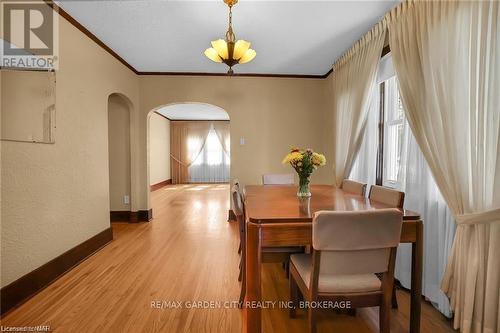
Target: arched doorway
198 143
120 188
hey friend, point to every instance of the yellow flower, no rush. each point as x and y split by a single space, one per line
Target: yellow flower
318 159
292 157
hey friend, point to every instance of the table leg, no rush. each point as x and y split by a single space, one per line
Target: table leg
416 279
253 316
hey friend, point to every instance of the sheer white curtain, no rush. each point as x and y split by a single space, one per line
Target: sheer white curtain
222 130
422 195
213 162
447 58
364 168
354 76
187 139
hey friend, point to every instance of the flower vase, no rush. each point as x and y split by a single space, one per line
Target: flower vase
303 191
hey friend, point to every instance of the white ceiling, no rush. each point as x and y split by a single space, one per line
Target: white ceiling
193 111
290 37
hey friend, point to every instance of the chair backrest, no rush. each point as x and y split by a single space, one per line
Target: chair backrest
356 242
239 211
386 195
236 199
278 179
353 187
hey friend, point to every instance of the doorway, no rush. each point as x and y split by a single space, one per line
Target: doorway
199 143
119 158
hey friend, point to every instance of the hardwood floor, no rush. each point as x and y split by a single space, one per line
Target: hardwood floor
187 253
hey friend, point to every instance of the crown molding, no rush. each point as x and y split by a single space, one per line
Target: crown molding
99 42
294 76
162 115
89 34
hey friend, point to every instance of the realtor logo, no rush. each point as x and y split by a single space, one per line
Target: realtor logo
29 35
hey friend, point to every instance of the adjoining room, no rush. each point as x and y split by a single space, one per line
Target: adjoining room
250 166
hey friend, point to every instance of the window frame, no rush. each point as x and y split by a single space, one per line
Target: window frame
382 126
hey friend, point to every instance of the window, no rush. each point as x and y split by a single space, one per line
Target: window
214 152
390 152
193 149
212 163
393 133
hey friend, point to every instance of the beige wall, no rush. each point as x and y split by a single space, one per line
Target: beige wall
159 149
27 105
270 113
119 152
55 196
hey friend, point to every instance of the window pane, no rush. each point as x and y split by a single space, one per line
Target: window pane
393 132
214 149
193 145
212 153
400 111
212 164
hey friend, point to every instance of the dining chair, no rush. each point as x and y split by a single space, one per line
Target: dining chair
349 247
240 188
278 179
269 254
236 197
393 198
353 187
386 195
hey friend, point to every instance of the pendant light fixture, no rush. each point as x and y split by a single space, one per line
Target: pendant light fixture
230 51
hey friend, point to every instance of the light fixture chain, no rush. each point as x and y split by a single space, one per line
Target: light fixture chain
230 37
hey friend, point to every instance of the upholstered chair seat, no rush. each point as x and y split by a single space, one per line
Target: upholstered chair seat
335 284
348 249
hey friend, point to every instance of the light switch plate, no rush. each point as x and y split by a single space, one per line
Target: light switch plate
242 141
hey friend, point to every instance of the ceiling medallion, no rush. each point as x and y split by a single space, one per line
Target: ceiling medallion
230 51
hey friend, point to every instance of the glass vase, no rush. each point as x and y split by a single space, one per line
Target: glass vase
303 191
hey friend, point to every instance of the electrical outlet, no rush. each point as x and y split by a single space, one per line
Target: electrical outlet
126 199
242 141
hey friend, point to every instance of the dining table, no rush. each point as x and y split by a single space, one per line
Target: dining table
277 217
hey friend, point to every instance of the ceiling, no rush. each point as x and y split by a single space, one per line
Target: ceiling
290 37
193 111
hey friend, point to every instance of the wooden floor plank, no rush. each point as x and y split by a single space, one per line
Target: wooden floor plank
188 252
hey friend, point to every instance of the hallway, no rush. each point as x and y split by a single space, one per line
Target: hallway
187 253
184 254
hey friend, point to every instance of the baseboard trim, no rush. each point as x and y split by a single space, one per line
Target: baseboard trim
19 291
141 216
159 185
132 217
119 216
231 216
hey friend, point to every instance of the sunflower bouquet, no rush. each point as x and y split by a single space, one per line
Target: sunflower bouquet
304 162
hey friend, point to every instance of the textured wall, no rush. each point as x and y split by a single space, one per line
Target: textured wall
28 99
55 196
119 152
270 113
159 149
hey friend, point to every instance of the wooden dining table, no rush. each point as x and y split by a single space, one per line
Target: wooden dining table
276 217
